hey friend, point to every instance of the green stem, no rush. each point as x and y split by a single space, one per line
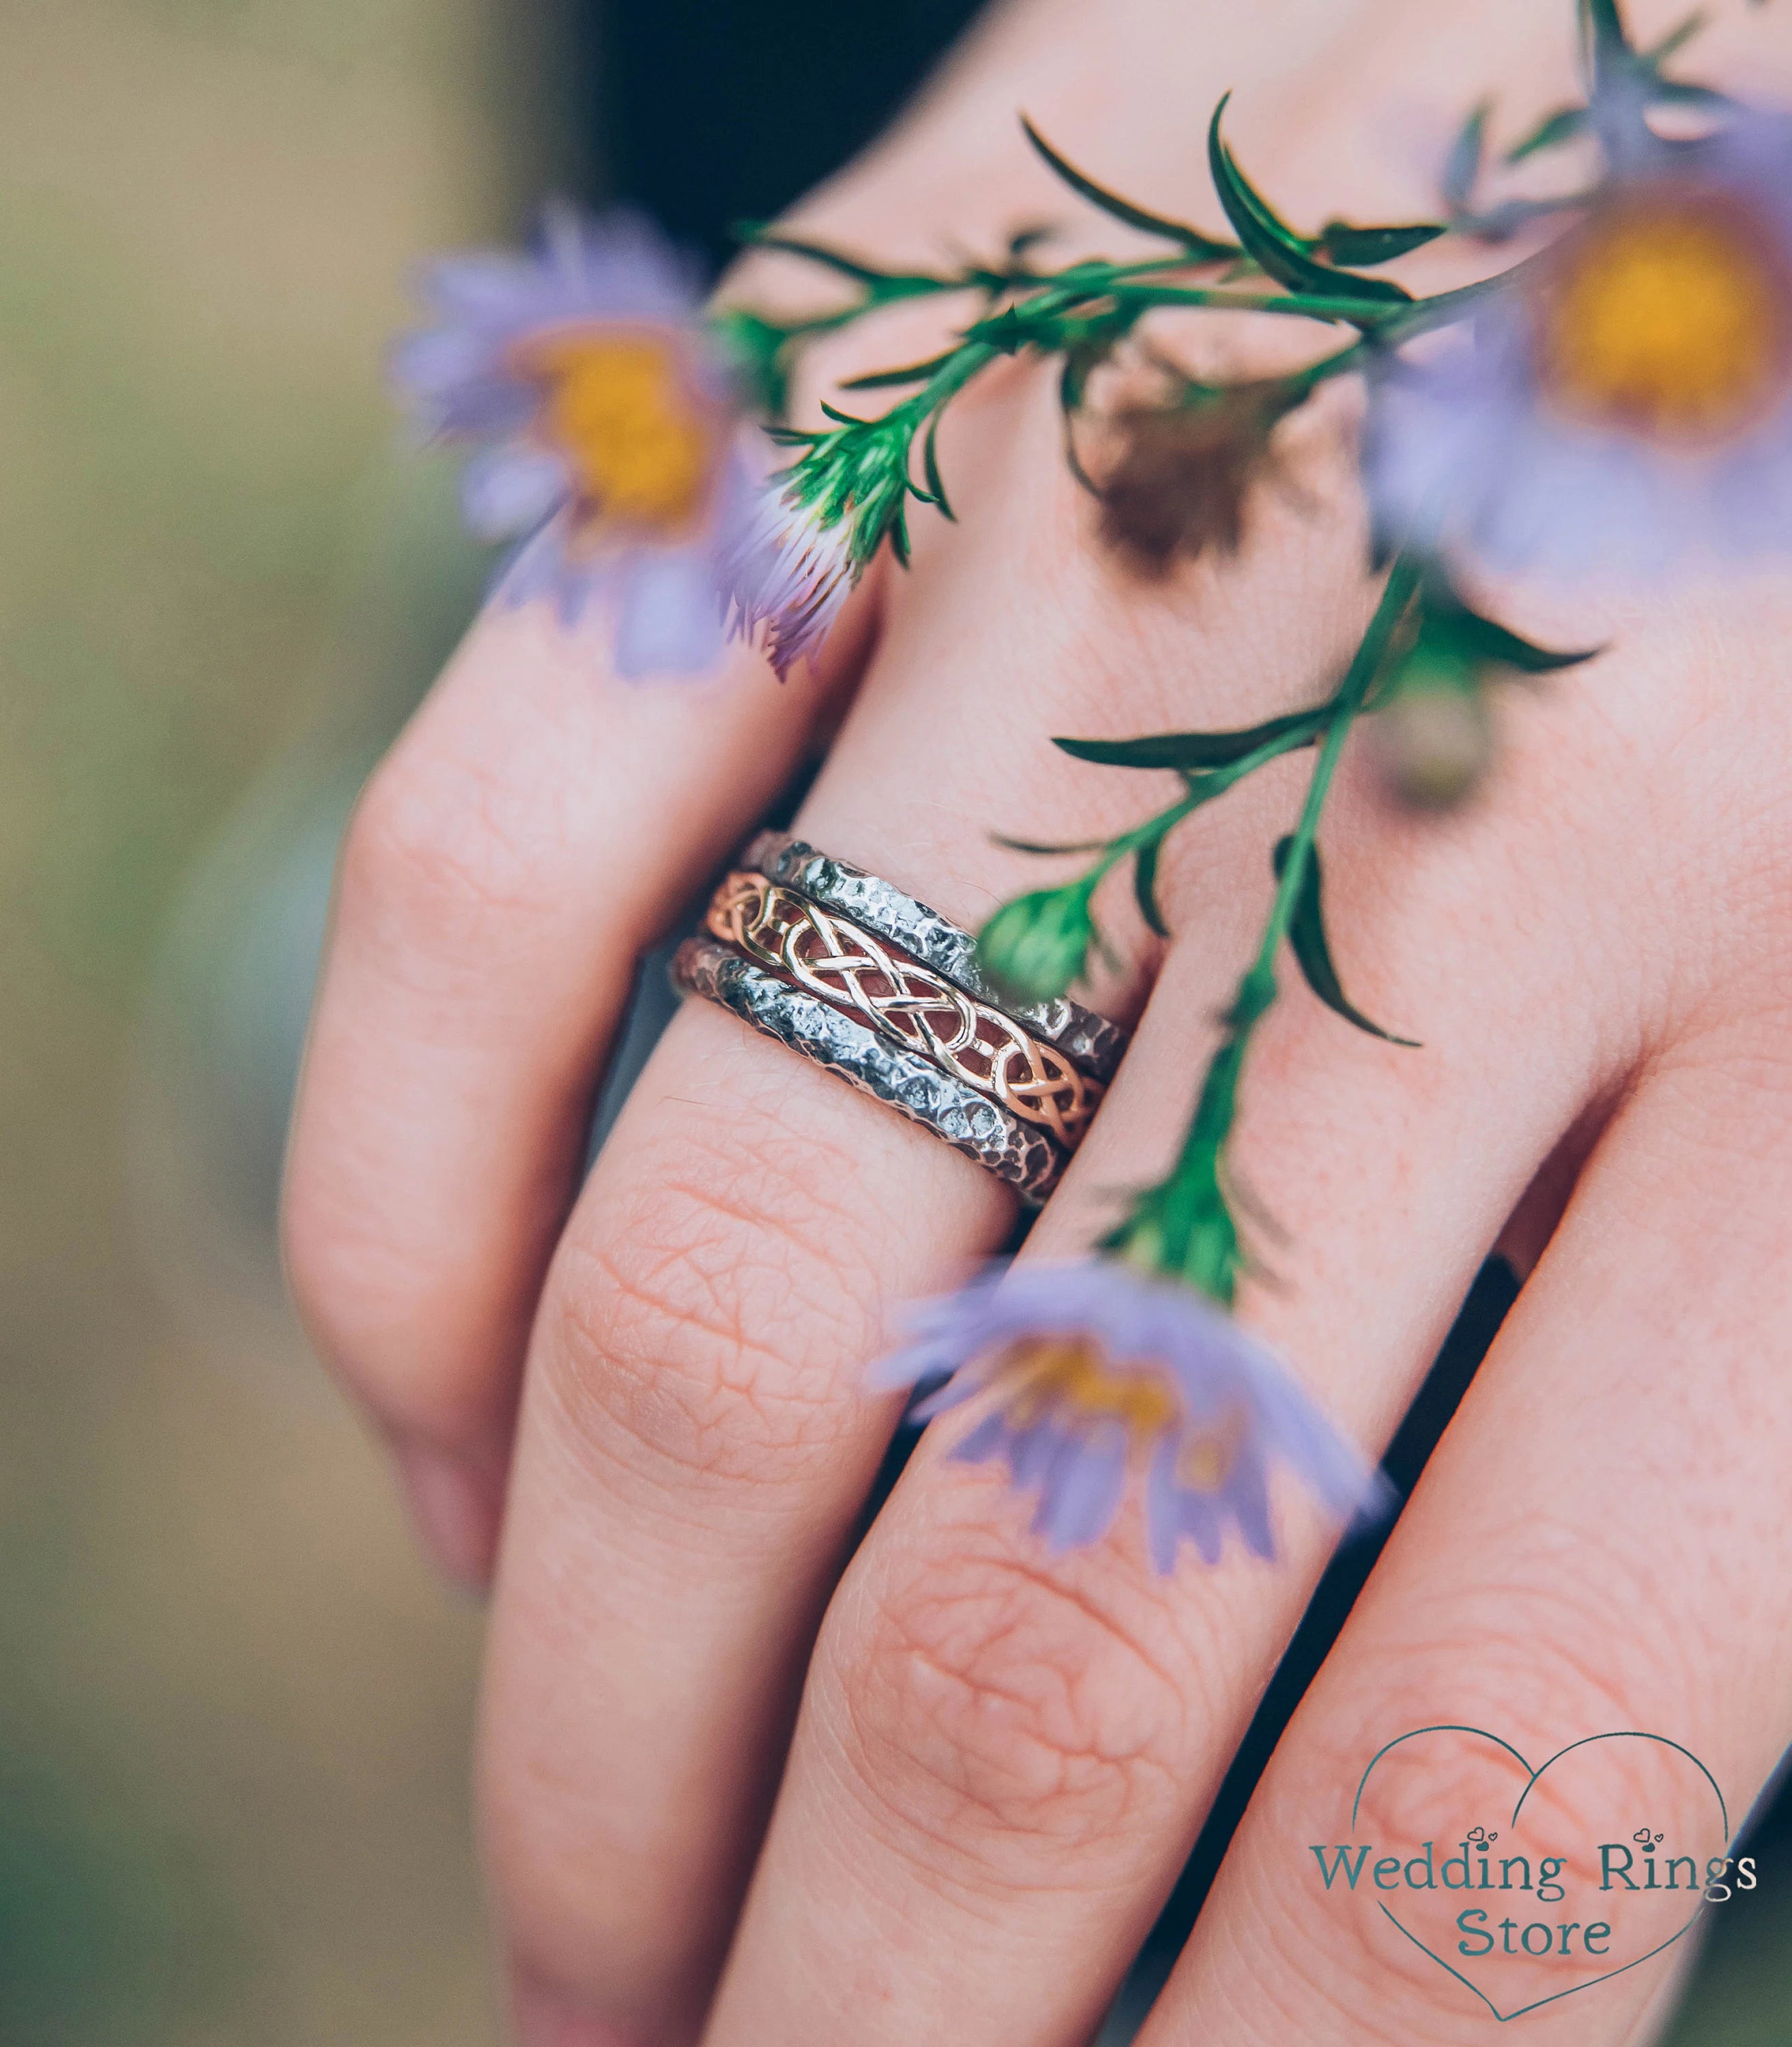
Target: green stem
1183 1225
1403 581
951 378
1301 384
1304 305
1205 783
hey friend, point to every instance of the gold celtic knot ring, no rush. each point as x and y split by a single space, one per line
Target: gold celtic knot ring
838 960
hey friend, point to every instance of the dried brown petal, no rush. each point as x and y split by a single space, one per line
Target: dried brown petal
1178 484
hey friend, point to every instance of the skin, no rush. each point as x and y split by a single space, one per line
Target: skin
740 1783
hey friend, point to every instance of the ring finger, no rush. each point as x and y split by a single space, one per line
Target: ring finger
695 1447
1002 1762
1587 1549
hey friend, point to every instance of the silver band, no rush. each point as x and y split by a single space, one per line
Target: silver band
1091 1041
829 955
970 1122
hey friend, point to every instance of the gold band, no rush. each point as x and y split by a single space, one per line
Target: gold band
838 960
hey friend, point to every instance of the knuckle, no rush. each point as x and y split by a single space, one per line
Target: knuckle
539 1878
437 845
409 1320
1540 1674
394 1328
1321 1972
710 1321
1001 1711
587 1916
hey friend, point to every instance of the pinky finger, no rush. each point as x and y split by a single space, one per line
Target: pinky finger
538 825
1598 1534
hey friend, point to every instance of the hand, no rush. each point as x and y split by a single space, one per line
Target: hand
937 1788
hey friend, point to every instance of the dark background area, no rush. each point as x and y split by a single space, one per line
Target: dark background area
713 113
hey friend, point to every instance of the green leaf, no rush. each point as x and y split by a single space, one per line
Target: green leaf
1073 381
1603 39
1555 129
1342 243
756 234
912 372
929 468
1462 168
1606 47
1278 250
1042 847
1501 223
1036 944
1307 936
1674 92
1187 751
881 287
1198 244
1010 331
1485 640
1676 39
1144 885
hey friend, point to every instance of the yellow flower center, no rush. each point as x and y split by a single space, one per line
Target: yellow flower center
1073 1372
642 448
1669 318
1206 1461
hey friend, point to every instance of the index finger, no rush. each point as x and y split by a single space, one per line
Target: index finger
539 825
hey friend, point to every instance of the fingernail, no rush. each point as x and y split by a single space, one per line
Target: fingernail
545 2018
456 1516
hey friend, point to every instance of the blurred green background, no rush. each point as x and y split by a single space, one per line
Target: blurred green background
235 1709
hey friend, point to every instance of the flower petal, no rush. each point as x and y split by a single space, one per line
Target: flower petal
1077 1451
670 621
788 574
1083 1492
511 489
1464 448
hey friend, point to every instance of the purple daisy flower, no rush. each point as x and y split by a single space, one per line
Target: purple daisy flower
1096 1368
789 573
605 426
1628 401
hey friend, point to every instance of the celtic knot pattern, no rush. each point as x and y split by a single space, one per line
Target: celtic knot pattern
847 966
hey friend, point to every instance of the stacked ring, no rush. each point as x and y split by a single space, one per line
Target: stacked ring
886 994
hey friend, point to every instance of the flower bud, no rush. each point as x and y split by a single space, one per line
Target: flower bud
1435 740
1036 946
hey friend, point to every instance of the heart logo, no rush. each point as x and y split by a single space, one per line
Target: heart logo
1554 1888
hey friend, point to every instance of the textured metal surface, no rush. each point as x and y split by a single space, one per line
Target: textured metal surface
844 963
907 1081
1094 1044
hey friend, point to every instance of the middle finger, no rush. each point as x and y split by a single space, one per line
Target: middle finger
1003 1759
695 1448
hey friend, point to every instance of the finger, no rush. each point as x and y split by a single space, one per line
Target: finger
693 1454
686 1481
1002 1762
1593 1541
695 1447
539 824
